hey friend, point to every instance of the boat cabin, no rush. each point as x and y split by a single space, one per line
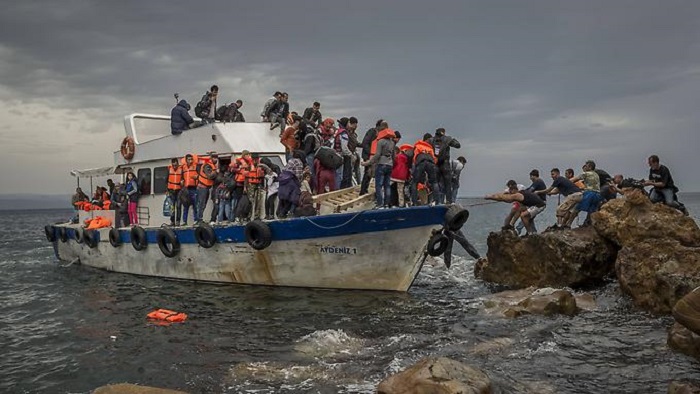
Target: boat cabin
153 146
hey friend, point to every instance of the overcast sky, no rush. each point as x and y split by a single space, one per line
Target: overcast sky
521 84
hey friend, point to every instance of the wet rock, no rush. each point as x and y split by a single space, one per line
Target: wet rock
126 388
567 258
658 273
547 302
684 341
687 311
491 346
634 220
437 376
683 388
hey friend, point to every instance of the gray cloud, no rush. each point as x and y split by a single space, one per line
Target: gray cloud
521 84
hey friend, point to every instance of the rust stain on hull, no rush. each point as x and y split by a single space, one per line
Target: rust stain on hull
262 261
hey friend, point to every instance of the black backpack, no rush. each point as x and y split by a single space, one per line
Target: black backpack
329 158
243 207
202 107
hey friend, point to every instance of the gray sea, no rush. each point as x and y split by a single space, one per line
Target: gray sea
72 329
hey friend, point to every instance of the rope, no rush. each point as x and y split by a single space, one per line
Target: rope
480 203
333 227
71 263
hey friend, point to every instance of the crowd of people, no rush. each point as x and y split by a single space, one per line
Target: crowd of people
323 155
585 192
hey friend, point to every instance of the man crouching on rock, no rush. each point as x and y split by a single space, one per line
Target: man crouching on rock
524 199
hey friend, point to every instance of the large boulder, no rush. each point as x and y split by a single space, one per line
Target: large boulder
437 376
566 258
683 388
634 220
657 273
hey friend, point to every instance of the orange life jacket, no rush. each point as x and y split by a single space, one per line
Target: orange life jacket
167 316
255 175
381 135
423 147
174 178
107 204
97 222
189 175
243 166
204 180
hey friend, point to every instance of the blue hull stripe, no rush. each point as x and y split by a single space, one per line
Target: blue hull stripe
319 226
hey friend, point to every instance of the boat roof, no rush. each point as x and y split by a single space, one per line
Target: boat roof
219 137
95 172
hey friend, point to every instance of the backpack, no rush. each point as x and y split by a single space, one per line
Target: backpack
243 207
167 206
202 107
329 158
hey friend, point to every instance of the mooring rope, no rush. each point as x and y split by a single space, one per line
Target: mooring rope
333 227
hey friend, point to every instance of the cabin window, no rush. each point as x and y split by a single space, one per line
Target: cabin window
144 177
160 180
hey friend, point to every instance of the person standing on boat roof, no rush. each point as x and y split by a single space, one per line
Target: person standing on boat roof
442 144
208 104
205 180
264 115
189 182
132 192
313 114
255 188
174 186
180 119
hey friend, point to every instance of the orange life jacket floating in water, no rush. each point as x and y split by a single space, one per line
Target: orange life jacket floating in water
167 316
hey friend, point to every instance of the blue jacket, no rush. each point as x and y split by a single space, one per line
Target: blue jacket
180 118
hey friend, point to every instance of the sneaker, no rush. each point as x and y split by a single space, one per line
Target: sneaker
274 126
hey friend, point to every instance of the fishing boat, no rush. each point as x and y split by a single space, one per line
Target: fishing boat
346 246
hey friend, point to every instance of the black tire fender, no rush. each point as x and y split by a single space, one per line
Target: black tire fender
91 237
62 234
167 242
437 245
258 234
50 232
79 235
455 217
114 237
138 238
205 235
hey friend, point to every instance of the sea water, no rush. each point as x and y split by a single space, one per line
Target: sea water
74 328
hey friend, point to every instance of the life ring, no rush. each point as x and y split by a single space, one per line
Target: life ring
114 238
91 238
168 242
62 234
138 238
205 236
78 235
258 234
50 232
128 148
437 245
455 217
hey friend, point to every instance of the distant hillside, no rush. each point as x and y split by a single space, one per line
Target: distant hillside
33 201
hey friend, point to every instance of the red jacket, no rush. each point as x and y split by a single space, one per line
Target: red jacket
401 167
